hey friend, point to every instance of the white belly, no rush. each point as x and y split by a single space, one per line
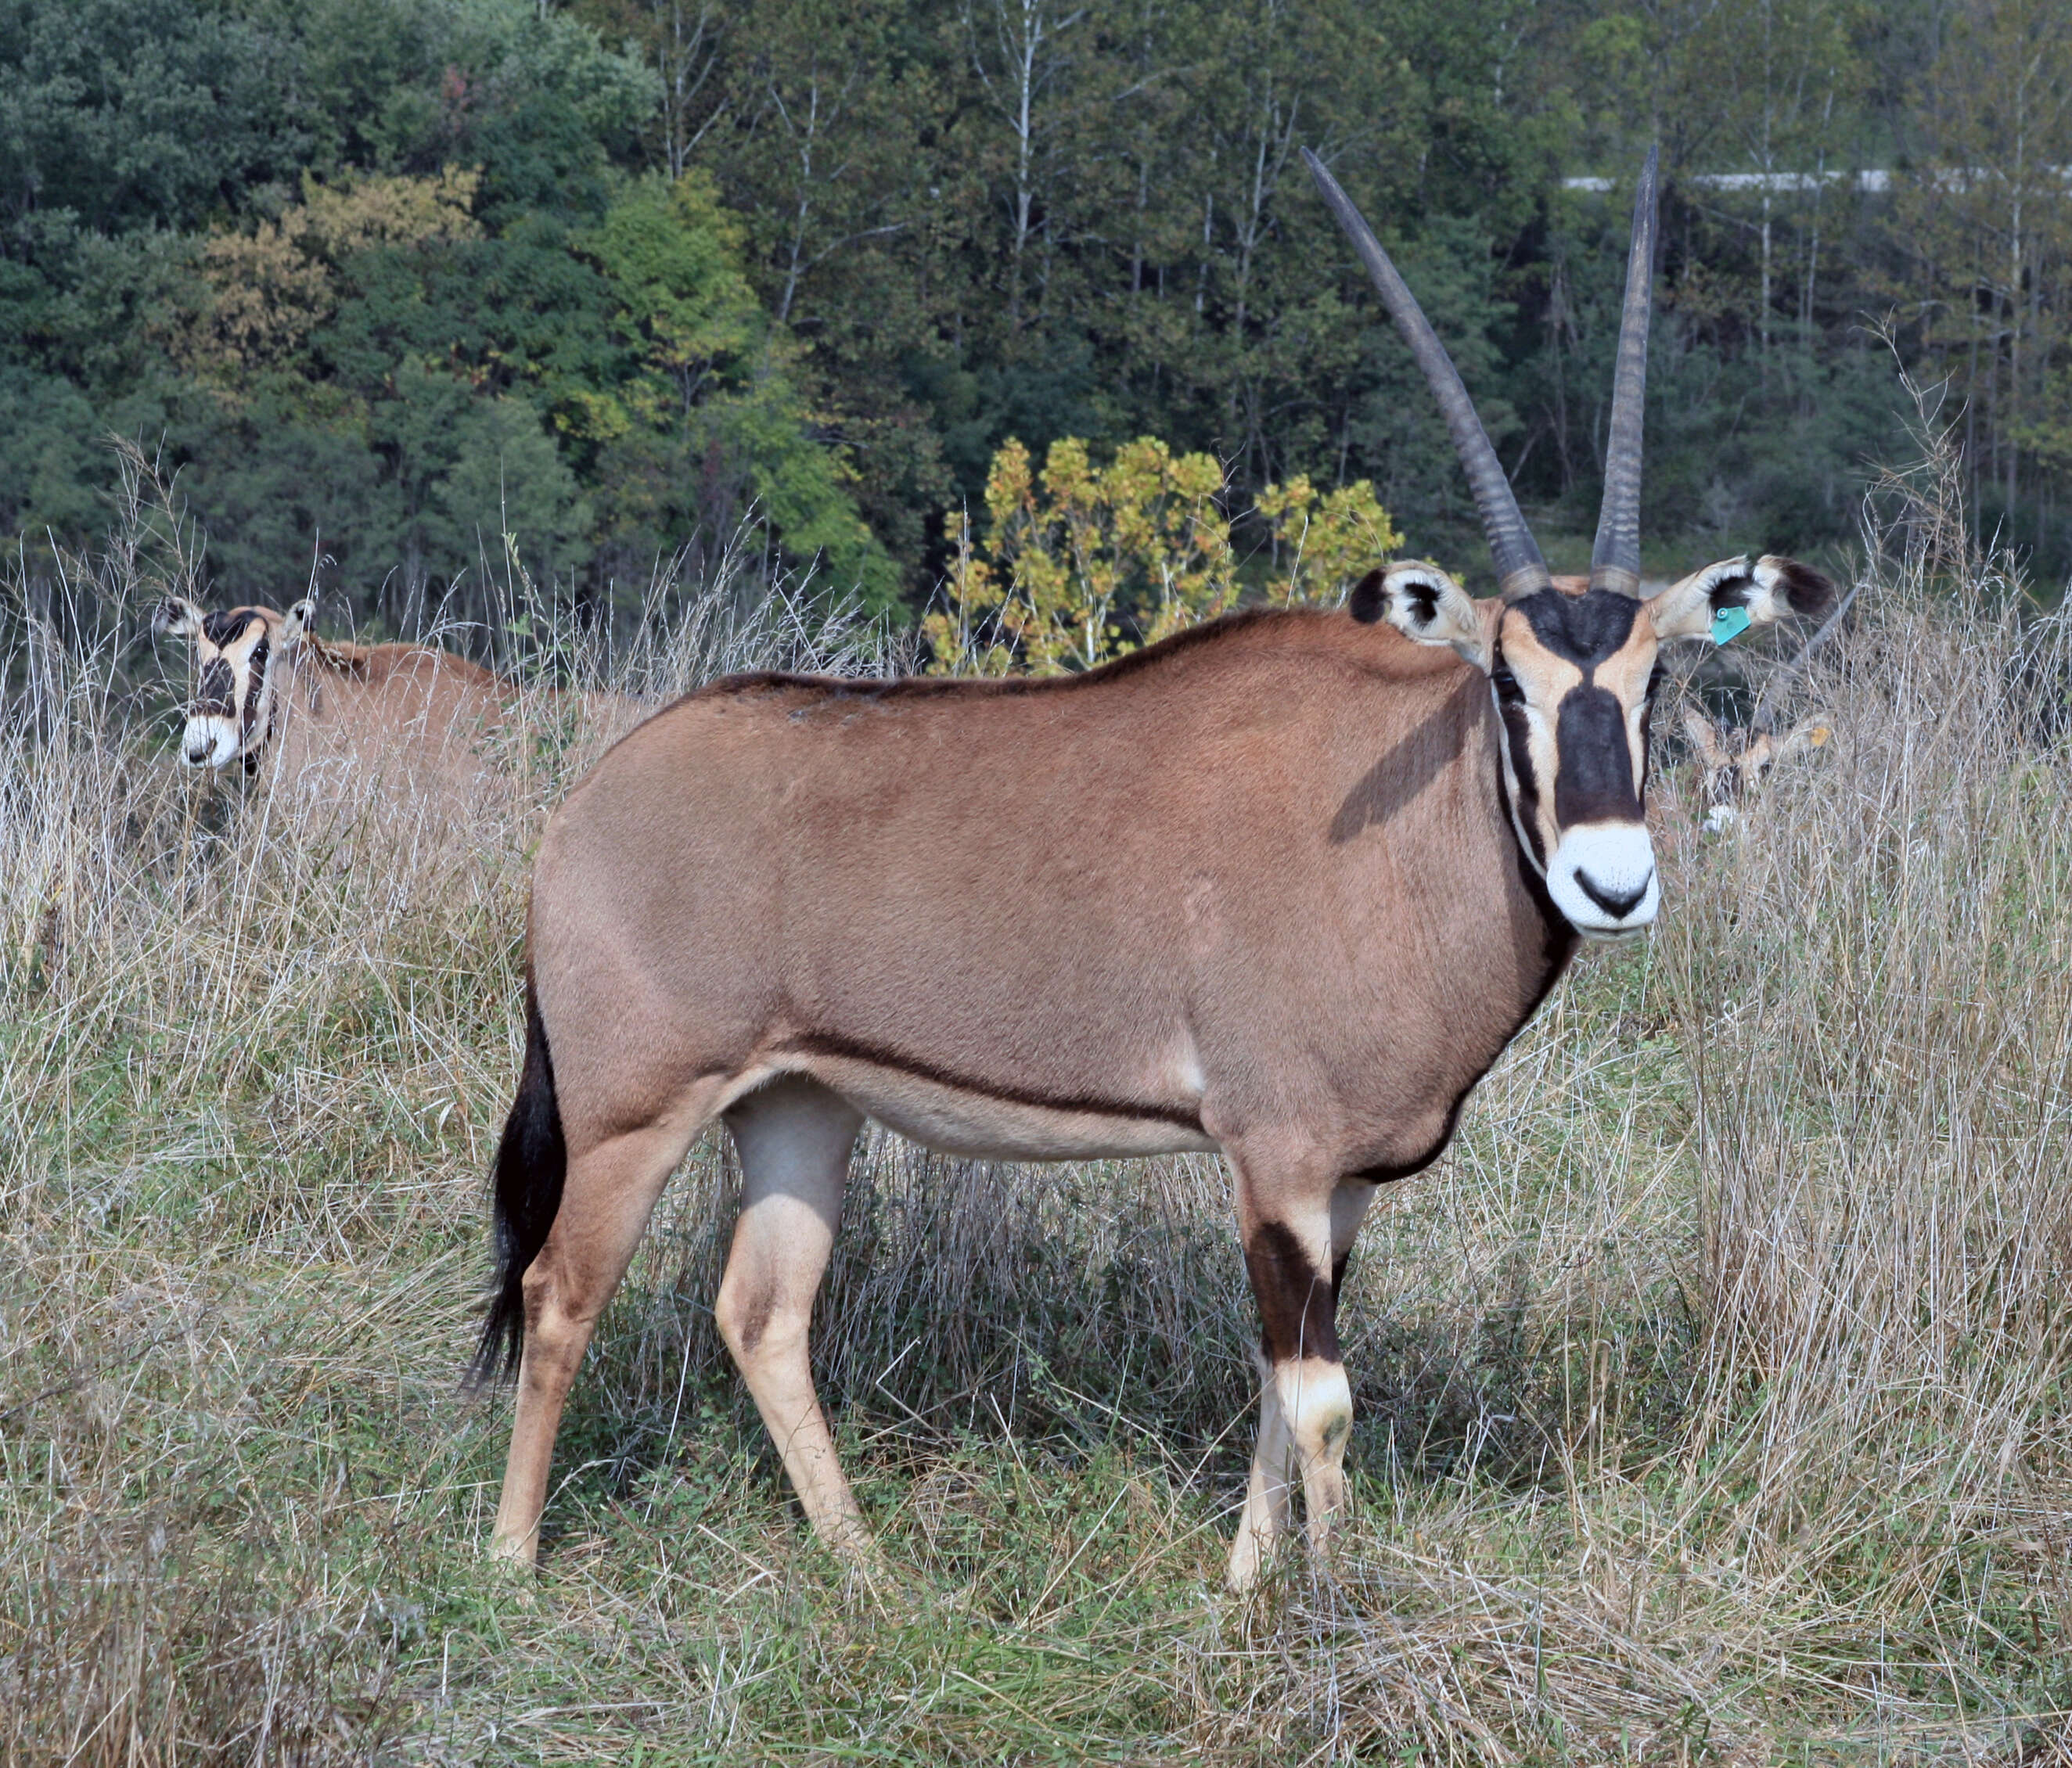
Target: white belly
953 1120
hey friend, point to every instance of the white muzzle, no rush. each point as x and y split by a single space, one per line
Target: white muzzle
209 742
1602 877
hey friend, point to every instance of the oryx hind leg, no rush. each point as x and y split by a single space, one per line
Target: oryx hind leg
794 1138
610 1191
1297 1231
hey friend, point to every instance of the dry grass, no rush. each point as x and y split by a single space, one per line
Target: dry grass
1712 1391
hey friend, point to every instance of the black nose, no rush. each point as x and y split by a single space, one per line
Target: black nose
1617 905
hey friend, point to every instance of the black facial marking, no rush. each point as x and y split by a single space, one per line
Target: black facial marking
227 625
1365 603
1297 1305
1646 741
1618 904
216 696
1593 776
255 683
1517 732
1585 629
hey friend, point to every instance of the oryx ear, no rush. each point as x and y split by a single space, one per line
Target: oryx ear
1704 738
1423 603
297 621
175 616
1765 591
1810 733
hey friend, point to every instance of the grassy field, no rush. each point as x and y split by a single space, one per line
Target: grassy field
1712 1391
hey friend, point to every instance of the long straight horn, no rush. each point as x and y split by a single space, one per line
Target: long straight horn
1615 558
1520 568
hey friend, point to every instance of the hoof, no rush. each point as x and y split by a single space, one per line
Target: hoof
1251 1554
517 1552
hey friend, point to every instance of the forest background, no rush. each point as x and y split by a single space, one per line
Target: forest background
388 279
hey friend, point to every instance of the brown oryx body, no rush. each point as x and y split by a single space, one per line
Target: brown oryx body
1282 887
409 727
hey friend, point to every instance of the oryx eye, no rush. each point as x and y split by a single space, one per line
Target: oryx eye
1506 685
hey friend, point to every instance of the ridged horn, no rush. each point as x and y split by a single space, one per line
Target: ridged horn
1615 558
1519 567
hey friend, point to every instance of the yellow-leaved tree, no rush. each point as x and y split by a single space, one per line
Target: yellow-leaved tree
272 287
1081 563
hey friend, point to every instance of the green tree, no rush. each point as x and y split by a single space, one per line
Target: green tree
705 419
1987 220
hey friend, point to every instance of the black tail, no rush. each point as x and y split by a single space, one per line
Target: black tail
531 1162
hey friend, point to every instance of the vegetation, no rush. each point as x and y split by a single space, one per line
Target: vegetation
1083 563
392 280
1712 1393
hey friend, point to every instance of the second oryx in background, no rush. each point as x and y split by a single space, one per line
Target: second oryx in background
342 721
267 691
1283 886
1732 763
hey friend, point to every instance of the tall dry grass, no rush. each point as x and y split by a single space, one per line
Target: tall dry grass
1711 1392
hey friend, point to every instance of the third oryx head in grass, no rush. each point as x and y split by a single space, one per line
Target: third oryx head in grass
1733 763
1282 887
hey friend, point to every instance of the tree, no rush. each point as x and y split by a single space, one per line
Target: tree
705 417
1987 218
1083 563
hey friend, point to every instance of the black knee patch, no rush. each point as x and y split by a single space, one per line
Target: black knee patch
1298 1305
751 1319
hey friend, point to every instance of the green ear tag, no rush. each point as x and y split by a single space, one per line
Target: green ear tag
1729 623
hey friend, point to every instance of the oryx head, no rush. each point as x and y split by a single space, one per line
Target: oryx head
1733 763
1571 662
241 659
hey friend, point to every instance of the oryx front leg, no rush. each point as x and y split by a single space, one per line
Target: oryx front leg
1264 1525
794 1138
1296 1236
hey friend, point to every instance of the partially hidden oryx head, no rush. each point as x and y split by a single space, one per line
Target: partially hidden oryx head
1571 662
242 657
1731 764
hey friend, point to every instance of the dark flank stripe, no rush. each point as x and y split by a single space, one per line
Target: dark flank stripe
850 1049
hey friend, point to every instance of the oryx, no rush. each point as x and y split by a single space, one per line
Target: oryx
267 691
1733 763
1283 886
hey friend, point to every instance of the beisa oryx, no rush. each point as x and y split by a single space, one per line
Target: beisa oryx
1282 887
269 693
